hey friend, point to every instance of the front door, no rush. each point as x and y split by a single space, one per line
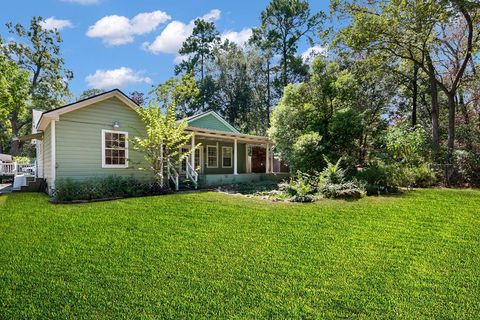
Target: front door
258 159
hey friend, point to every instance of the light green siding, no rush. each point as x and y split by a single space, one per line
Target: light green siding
241 159
47 155
209 121
79 140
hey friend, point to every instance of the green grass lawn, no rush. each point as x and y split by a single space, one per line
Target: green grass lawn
212 255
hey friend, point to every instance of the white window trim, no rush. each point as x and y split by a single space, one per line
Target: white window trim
231 156
114 166
216 158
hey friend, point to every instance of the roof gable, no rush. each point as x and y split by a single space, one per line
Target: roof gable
55 113
212 121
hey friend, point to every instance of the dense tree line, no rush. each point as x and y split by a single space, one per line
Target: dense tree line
396 72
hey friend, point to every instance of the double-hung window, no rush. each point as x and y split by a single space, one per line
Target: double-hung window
212 157
226 157
114 149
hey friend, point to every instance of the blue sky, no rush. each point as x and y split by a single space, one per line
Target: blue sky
132 44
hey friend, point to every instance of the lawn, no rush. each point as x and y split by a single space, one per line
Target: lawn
209 255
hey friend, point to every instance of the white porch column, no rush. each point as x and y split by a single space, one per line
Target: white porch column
53 154
235 169
193 151
267 156
272 169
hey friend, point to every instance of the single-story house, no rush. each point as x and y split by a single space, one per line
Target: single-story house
92 138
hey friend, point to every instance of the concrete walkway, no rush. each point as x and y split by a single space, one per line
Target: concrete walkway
5 188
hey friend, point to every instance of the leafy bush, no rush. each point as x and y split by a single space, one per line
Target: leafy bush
104 188
406 145
345 129
301 185
379 178
332 183
344 190
332 174
307 150
300 188
467 168
304 198
422 176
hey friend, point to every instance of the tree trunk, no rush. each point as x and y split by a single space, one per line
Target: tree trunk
451 136
451 126
434 108
463 107
466 120
363 148
284 59
414 94
268 93
203 84
15 143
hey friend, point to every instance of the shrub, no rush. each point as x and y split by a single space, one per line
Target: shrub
307 152
304 198
467 167
332 174
344 190
301 185
104 188
379 178
332 184
300 188
422 176
406 145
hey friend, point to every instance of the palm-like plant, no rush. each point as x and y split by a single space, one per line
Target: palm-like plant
333 173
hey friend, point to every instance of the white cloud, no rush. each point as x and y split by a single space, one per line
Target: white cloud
83 2
171 38
117 30
116 78
180 58
313 52
239 37
213 15
52 23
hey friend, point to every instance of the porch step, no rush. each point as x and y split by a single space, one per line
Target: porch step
33 185
186 185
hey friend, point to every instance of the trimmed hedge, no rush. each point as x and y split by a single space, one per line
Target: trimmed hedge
110 187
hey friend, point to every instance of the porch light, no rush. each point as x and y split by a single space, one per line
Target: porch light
116 125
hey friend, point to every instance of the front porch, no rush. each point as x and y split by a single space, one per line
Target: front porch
228 158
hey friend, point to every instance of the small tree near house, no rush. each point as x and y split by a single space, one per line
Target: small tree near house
164 138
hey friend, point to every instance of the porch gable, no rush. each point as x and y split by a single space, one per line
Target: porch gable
212 121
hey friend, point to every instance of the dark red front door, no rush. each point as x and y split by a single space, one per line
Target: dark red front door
258 159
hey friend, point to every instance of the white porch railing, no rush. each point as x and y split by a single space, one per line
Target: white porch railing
14 168
172 175
8 169
28 168
191 173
